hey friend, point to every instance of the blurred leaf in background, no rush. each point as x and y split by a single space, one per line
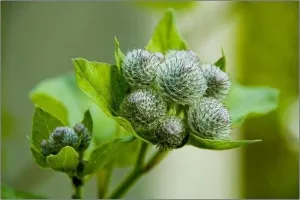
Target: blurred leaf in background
178 5
8 193
243 101
268 55
7 126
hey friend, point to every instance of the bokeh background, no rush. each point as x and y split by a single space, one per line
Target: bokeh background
260 40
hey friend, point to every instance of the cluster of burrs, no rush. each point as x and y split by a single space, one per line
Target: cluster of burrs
77 137
173 95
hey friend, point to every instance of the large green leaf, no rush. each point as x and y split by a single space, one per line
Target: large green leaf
243 101
51 105
43 126
106 153
65 161
104 84
101 82
217 144
166 35
61 98
9 193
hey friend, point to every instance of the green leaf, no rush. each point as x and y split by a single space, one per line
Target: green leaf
105 86
119 56
61 97
106 153
43 125
39 158
101 82
9 193
178 5
131 149
221 63
166 35
243 101
107 129
217 144
88 121
65 161
127 126
51 105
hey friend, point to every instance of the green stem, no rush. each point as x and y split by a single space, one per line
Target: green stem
156 158
104 175
77 179
103 180
140 160
137 172
78 184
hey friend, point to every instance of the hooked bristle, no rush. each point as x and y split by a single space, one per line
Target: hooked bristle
144 108
139 67
171 133
180 79
208 118
218 82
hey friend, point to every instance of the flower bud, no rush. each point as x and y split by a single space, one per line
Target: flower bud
218 83
139 67
180 78
171 133
45 148
61 137
57 134
144 109
187 54
84 134
208 118
160 56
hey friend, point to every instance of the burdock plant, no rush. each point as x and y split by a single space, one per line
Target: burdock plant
161 95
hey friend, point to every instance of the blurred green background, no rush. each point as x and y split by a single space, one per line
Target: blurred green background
260 40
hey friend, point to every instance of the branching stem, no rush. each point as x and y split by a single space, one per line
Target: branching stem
139 170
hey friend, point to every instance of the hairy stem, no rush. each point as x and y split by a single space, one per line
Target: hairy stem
138 171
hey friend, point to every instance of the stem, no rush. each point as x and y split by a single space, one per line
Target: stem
140 160
77 179
78 184
156 158
104 175
103 180
137 172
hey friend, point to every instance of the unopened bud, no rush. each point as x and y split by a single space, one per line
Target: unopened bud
208 118
139 67
143 108
218 82
180 79
171 133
